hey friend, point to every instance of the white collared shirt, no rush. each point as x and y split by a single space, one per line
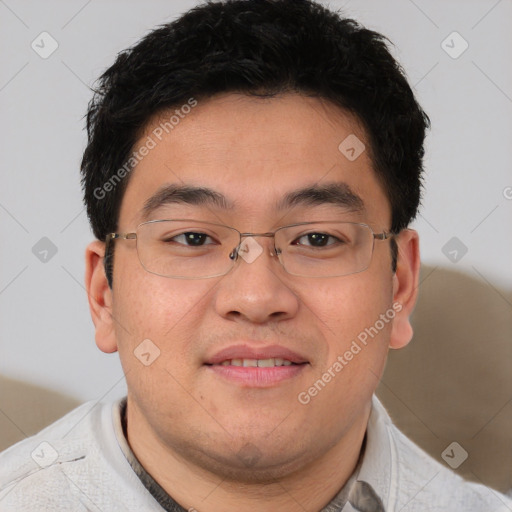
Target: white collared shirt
79 463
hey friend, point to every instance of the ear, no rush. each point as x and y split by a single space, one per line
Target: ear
100 297
405 286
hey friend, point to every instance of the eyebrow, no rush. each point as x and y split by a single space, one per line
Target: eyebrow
184 194
338 194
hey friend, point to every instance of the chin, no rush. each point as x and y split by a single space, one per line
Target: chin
249 466
248 462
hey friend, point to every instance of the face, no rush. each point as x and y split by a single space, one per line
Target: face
193 399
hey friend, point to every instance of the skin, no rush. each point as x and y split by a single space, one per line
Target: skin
191 429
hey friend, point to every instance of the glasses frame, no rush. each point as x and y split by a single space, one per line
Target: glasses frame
384 235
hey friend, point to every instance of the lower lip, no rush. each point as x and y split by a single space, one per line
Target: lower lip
257 377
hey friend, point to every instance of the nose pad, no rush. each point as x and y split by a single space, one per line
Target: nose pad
233 255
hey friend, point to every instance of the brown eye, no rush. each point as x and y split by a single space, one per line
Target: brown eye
191 239
317 240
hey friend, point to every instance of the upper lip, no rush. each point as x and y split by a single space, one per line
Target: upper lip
248 352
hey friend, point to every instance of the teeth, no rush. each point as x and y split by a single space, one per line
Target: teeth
261 363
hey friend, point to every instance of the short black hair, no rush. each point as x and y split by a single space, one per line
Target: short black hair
262 48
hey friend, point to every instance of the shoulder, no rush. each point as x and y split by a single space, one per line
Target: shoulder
67 438
64 466
422 483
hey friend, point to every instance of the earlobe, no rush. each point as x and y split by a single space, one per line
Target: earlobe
99 296
405 287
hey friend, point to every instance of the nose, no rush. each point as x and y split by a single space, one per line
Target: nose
256 289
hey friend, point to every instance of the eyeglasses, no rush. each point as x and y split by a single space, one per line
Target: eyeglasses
193 249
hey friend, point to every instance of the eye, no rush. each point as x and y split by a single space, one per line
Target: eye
317 240
191 238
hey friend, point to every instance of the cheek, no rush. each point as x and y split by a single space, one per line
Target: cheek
349 304
156 328
350 311
150 307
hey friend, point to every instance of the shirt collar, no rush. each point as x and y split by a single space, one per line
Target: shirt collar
379 467
366 490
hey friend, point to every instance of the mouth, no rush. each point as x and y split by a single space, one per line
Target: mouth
263 367
258 363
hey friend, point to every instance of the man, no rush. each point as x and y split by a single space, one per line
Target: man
251 172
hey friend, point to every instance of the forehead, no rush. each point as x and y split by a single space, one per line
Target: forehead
254 151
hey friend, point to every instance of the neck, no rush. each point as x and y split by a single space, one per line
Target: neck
195 486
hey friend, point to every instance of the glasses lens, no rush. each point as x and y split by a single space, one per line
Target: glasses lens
325 249
186 248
